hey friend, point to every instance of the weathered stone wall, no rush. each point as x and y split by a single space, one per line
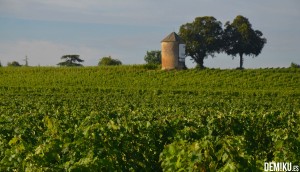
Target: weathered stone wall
169 55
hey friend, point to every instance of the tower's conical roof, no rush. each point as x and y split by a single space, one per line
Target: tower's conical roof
173 37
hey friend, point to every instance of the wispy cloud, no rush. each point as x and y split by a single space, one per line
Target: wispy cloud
134 12
94 11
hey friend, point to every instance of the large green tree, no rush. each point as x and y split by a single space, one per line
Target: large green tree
203 38
71 60
153 57
240 39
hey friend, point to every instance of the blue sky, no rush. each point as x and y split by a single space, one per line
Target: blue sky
44 30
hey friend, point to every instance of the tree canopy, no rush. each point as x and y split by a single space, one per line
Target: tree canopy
203 38
13 64
153 57
108 61
240 39
294 65
70 60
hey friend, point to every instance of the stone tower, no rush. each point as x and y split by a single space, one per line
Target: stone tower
172 52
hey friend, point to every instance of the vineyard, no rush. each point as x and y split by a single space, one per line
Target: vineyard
129 118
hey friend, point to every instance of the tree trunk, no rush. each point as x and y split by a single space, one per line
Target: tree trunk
241 61
200 62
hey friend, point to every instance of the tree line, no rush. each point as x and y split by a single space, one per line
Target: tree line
72 60
205 36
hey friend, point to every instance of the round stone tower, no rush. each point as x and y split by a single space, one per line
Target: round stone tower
172 52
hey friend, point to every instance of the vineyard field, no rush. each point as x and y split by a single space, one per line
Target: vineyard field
129 118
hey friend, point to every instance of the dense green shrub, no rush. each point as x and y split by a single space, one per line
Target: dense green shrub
108 61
